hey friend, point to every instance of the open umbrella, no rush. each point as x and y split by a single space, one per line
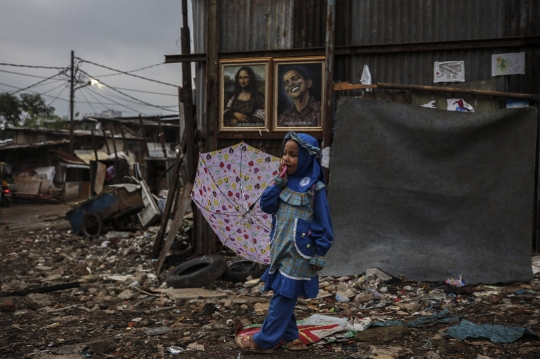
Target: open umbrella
227 190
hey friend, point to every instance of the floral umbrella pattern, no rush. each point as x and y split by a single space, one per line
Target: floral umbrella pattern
227 189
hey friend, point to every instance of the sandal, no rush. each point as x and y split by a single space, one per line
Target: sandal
246 342
296 345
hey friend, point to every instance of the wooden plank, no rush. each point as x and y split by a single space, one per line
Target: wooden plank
84 192
343 86
183 205
101 169
27 186
71 192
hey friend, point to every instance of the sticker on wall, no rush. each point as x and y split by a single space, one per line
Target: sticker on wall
449 71
508 64
458 104
430 104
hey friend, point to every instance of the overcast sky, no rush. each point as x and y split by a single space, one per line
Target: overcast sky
121 34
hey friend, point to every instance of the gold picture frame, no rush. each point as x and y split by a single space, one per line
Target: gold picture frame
298 94
245 94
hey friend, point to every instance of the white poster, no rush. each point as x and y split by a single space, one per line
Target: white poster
449 71
508 64
458 104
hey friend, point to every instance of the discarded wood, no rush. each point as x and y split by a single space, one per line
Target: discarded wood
170 199
51 288
183 204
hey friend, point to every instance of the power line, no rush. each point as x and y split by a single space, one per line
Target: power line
37 83
113 101
20 73
122 98
150 92
131 97
66 86
95 98
54 88
34 67
92 107
126 73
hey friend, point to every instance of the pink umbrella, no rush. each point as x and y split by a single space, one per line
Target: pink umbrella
227 190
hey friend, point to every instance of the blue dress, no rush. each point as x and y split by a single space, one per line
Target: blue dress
301 236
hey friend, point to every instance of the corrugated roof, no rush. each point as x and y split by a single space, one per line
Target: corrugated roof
89 155
12 146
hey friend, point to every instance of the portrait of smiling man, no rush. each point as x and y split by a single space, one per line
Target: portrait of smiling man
306 109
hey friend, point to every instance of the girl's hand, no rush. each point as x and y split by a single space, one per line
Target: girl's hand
316 268
281 164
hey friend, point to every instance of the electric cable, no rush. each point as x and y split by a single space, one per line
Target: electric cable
95 98
54 88
65 87
128 72
20 73
118 103
125 73
30 91
35 67
136 99
150 92
92 107
122 98
37 83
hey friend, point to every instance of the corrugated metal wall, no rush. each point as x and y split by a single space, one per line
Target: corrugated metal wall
255 25
251 25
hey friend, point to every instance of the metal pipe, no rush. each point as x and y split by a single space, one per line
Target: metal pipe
329 79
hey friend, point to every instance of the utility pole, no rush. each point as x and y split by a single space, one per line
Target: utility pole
71 100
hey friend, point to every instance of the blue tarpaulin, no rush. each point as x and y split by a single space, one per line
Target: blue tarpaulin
495 333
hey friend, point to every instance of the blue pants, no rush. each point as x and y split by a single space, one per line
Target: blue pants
279 325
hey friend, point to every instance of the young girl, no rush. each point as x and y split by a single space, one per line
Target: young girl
300 238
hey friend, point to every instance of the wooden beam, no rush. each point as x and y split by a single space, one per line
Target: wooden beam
184 202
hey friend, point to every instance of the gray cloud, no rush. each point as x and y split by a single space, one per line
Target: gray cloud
122 34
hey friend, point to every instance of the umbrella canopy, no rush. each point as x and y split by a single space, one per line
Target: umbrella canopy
227 189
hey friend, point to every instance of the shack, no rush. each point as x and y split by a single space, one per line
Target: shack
445 55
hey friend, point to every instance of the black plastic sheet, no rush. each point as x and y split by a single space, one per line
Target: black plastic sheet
432 194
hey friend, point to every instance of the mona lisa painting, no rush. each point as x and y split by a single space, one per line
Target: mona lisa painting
244 94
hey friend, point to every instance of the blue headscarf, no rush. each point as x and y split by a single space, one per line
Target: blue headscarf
309 169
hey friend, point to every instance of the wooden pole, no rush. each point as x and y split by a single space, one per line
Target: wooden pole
106 142
94 145
116 167
329 81
143 134
125 149
162 138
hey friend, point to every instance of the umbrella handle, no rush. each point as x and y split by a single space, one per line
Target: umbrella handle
283 172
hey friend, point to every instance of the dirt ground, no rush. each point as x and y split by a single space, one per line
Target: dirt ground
116 300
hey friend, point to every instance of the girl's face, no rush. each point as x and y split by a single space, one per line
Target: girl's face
290 157
243 78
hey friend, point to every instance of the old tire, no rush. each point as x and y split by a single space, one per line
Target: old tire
241 270
92 224
197 272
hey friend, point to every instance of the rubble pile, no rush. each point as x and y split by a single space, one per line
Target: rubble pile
113 305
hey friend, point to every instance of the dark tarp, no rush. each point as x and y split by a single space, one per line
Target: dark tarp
432 194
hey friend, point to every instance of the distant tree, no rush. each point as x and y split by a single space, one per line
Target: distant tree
35 108
10 109
30 110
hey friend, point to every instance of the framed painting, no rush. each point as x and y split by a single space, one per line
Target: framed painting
245 94
298 94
